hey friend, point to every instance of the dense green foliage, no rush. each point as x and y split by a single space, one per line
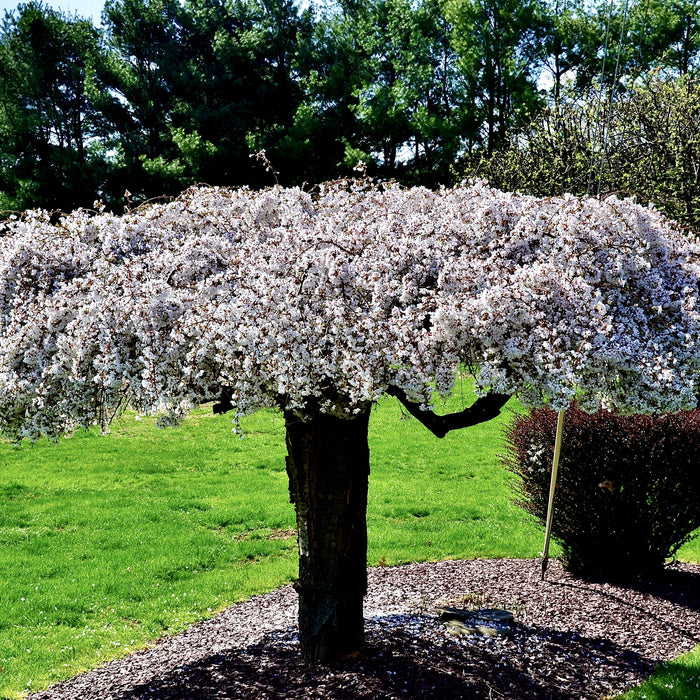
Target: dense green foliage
628 486
166 93
48 69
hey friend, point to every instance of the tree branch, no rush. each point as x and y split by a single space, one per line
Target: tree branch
483 409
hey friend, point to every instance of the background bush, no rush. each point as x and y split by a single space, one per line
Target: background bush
628 489
652 152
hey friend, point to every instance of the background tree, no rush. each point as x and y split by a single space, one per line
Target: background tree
202 84
387 97
172 93
662 36
651 150
146 56
321 304
334 65
287 32
684 51
444 122
413 109
48 71
500 53
571 44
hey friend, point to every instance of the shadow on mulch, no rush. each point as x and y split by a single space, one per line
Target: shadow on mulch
536 664
675 585
679 587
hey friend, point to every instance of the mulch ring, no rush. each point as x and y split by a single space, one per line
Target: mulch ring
572 639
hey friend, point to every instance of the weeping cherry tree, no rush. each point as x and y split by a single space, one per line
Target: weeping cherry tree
319 303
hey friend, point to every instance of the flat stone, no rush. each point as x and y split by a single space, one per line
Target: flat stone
461 629
488 622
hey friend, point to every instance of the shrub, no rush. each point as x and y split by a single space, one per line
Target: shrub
628 492
653 149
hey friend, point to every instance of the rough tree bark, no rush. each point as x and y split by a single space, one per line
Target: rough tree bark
328 469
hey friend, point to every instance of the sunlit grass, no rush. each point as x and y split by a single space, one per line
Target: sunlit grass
435 499
676 680
690 552
108 542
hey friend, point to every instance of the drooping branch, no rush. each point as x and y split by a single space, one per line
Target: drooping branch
483 409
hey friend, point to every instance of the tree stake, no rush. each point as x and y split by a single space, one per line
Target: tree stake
552 486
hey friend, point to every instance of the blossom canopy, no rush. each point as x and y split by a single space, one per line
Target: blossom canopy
323 301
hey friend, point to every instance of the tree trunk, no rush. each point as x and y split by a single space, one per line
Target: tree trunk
328 468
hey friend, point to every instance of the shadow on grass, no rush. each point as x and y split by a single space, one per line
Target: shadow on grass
410 657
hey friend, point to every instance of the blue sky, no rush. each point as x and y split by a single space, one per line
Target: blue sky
85 8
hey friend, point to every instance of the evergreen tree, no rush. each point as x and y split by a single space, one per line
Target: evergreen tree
501 52
203 84
48 67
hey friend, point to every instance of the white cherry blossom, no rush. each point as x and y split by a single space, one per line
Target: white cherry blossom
320 301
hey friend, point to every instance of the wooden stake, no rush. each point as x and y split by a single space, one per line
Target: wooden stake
552 486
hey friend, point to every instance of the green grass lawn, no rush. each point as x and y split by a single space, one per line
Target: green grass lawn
107 542
677 679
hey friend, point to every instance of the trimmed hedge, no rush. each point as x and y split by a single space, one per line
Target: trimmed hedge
628 493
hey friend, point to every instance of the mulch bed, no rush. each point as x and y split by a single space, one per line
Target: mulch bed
573 639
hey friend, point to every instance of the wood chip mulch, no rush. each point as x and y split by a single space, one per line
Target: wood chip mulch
573 639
